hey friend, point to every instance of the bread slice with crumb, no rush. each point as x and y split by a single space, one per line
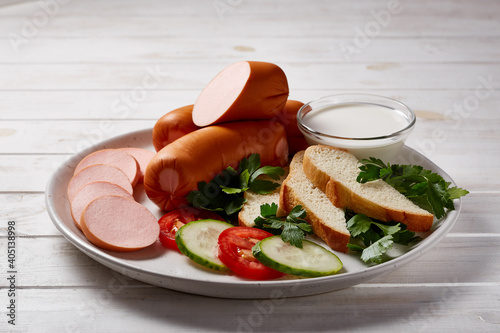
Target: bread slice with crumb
328 222
334 171
251 208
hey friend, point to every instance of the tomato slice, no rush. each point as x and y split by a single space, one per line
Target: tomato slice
235 251
171 222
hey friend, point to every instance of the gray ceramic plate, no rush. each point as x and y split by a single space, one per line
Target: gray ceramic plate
165 268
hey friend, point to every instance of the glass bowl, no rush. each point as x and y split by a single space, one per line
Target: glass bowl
366 125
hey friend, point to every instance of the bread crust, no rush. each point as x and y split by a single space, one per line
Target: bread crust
289 198
343 197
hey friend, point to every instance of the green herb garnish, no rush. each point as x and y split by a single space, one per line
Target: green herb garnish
374 239
425 188
292 228
224 193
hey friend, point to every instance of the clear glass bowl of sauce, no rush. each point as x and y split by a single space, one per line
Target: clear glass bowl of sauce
366 125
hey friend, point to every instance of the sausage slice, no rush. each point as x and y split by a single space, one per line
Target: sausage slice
92 191
98 172
115 157
119 224
142 156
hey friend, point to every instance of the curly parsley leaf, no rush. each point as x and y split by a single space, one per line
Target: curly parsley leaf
292 228
425 188
224 193
373 239
375 251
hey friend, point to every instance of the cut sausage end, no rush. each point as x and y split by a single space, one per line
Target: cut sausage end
219 95
245 90
119 224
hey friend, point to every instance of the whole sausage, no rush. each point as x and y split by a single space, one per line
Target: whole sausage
288 118
198 156
245 90
172 126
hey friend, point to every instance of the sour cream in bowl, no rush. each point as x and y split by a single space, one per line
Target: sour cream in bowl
366 125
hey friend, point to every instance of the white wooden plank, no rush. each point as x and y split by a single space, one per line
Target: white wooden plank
256 8
88 105
63 137
28 212
53 261
311 49
28 173
146 77
249 19
418 309
464 259
479 214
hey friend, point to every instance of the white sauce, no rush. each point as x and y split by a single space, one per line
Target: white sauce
358 121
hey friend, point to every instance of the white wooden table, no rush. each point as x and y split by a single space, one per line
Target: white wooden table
72 74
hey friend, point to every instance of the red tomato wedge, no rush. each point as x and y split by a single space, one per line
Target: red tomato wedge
171 222
235 251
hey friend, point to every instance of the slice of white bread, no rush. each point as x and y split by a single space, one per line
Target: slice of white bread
328 222
251 208
334 171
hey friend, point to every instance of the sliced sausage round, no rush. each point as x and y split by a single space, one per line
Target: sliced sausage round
142 156
115 157
92 191
119 224
98 172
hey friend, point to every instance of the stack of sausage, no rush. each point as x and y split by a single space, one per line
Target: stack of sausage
101 199
244 110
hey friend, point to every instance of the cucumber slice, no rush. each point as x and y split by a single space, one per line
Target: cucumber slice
198 241
311 261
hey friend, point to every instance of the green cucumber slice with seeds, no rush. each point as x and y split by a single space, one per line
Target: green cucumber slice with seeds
311 261
198 241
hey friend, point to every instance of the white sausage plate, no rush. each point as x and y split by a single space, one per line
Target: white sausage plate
166 268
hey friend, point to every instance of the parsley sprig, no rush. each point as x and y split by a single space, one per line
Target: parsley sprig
425 188
374 239
292 228
224 193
